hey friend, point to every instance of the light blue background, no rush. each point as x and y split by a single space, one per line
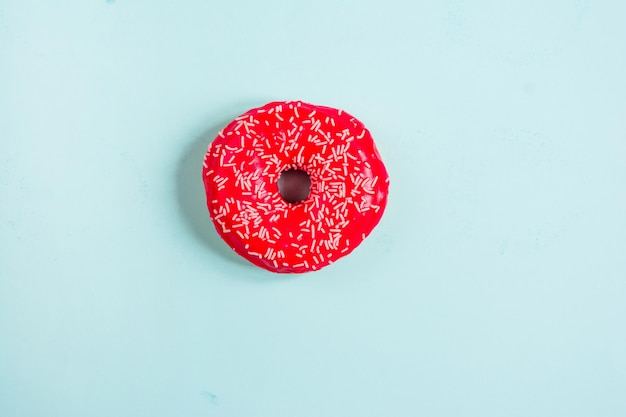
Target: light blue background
494 286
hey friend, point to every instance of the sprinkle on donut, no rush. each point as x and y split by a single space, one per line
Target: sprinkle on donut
292 187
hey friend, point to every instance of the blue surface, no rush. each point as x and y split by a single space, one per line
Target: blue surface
495 284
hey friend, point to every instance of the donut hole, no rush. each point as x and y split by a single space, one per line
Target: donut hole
294 185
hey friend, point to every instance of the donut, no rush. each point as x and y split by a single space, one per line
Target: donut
293 187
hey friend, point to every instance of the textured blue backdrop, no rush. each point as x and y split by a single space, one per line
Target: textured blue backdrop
494 286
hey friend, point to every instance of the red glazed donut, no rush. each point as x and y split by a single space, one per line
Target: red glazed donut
293 187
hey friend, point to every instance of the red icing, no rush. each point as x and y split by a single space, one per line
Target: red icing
349 185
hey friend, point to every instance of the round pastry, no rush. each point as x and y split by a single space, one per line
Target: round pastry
293 187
